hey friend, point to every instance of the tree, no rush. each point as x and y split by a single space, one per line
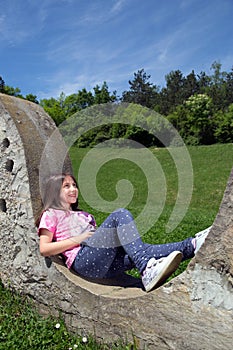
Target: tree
76 102
199 116
172 95
229 87
142 91
190 85
224 125
32 98
194 120
54 108
102 95
204 82
218 87
175 83
9 90
2 85
218 76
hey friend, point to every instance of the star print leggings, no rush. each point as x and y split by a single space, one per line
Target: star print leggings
116 246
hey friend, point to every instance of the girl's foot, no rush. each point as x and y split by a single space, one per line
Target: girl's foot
200 238
157 271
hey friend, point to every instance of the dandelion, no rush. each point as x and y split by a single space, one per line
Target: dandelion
57 325
84 340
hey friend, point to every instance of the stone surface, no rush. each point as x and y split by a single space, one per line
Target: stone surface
193 311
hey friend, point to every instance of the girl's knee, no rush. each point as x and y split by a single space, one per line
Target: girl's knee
122 212
123 216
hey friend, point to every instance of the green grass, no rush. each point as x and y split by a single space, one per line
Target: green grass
211 167
21 328
20 325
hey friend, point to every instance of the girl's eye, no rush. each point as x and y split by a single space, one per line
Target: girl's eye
68 185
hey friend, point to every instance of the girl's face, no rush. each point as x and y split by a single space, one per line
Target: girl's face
68 193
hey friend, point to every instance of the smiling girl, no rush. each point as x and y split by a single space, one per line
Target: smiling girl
109 250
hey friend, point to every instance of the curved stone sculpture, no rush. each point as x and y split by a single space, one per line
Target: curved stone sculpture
193 311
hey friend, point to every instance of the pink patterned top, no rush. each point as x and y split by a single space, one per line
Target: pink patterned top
65 224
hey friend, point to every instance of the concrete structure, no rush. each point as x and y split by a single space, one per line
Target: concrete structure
193 311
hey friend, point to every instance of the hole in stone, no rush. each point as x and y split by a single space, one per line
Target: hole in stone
2 205
6 143
9 165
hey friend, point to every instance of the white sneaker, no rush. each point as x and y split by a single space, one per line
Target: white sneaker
157 271
200 238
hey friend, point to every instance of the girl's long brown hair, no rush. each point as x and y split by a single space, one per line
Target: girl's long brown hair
51 194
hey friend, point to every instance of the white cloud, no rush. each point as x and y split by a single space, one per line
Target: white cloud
117 7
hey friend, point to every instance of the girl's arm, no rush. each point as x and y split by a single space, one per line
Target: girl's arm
49 248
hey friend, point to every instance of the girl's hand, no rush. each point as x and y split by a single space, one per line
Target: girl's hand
49 248
82 237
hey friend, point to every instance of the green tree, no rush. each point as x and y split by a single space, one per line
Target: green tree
102 94
199 115
223 121
194 121
172 95
190 85
142 91
32 98
229 87
54 108
217 88
203 82
9 90
2 85
178 118
142 125
76 102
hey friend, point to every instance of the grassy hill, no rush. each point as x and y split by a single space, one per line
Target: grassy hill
211 166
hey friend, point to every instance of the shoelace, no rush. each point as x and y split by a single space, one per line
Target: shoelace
155 262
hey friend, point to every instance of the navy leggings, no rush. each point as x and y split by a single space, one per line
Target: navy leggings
116 246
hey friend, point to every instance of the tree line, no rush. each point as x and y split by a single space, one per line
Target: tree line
199 106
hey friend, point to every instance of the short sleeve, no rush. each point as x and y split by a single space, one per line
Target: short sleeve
48 221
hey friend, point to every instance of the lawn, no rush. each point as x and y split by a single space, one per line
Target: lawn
20 326
211 166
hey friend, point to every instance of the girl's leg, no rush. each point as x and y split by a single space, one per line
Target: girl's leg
118 230
158 251
102 255
94 262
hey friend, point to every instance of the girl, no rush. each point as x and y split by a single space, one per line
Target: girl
109 250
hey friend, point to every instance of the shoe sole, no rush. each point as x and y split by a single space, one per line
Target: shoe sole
200 238
173 263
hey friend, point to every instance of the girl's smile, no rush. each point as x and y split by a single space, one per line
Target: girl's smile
68 193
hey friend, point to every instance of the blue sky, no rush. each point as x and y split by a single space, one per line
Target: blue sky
53 46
